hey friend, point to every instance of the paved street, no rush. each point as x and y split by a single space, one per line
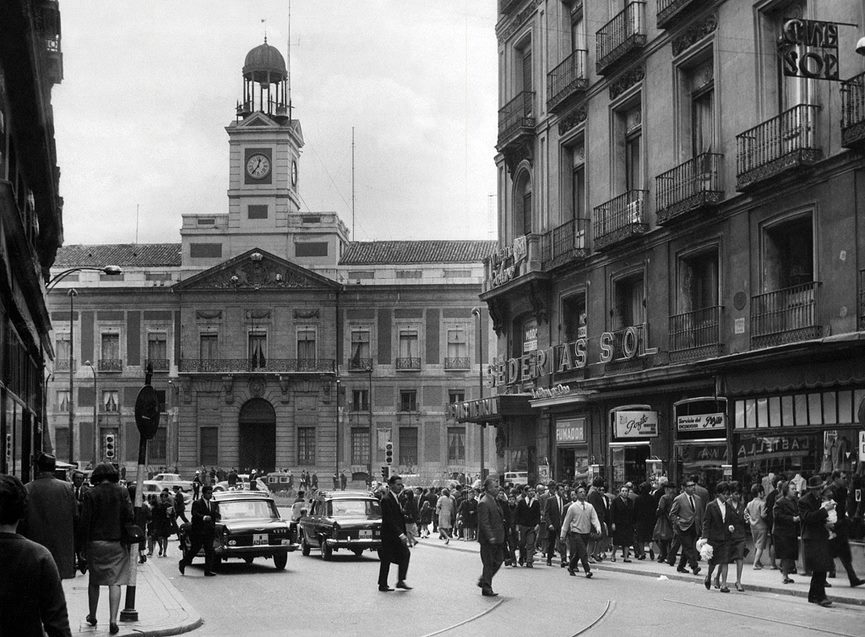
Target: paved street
314 597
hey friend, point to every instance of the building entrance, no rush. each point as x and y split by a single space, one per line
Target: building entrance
257 434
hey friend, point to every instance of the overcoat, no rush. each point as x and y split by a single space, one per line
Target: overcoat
785 532
52 517
815 536
622 515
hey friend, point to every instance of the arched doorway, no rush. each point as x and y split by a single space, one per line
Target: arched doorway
257 432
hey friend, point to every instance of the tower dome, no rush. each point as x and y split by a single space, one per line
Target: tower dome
264 64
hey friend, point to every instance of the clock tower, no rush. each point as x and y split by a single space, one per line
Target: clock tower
264 146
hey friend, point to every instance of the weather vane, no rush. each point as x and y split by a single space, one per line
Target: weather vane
264 22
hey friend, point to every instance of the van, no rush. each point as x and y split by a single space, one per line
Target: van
516 478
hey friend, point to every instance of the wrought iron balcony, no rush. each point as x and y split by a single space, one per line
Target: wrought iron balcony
696 334
516 120
619 219
853 112
408 364
62 364
777 146
159 364
110 365
458 362
670 11
359 364
246 365
689 187
785 316
566 243
567 79
621 37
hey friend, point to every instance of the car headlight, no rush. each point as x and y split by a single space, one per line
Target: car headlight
335 527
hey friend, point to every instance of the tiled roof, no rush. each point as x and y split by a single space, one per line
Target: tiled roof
402 252
122 254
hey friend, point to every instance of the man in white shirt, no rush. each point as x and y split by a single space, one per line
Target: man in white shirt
580 520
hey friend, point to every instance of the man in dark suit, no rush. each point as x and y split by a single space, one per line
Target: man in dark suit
686 514
817 553
599 502
394 539
528 518
205 515
716 528
554 513
840 544
491 536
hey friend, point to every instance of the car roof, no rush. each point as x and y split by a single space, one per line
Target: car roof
344 495
241 495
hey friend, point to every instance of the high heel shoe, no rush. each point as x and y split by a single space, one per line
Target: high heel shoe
113 628
90 619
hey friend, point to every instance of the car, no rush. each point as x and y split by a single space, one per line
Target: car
337 520
171 480
249 526
152 487
242 485
516 478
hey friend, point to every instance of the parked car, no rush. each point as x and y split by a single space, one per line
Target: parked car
250 526
516 478
171 480
337 520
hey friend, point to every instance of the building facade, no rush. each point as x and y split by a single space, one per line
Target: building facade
31 227
274 341
679 281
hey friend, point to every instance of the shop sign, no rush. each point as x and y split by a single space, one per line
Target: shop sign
551 392
696 453
809 48
507 263
473 409
762 446
530 336
543 472
701 422
571 430
636 424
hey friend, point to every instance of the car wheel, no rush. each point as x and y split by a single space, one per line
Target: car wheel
304 545
280 560
358 552
326 552
248 560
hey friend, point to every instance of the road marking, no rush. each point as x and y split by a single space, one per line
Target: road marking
498 603
607 609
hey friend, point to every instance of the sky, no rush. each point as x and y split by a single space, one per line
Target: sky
149 88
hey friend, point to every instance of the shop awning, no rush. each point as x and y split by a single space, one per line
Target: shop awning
492 409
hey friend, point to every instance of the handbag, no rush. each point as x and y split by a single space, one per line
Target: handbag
594 536
132 534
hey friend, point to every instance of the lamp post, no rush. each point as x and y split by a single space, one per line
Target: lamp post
476 311
369 407
72 293
96 436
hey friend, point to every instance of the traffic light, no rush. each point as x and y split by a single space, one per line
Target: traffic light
8 450
109 446
384 472
388 453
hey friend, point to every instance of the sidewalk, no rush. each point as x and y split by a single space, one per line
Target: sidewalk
765 580
162 610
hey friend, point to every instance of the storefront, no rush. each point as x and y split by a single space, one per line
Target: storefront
701 446
632 429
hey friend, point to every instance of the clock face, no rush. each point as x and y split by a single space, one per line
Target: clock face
294 173
258 166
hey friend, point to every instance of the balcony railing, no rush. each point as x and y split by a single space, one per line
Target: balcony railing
695 333
458 362
853 112
516 118
619 219
359 364
778 145
566 243
241 365
621 36
62 364
408 364
567 79
159 364
670 10
110 364
690 186
785 316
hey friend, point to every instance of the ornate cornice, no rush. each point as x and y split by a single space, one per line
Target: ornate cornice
307 314
572 119
511 25
516 153
208 315
695 33
257 275
626 80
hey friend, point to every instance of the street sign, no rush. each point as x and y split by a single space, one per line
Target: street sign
147 412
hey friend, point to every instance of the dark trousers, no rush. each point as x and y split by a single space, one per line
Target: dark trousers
492 556
196 543
688 540
817 592
402 564
553 543
510 547
577 545
664 548
675 545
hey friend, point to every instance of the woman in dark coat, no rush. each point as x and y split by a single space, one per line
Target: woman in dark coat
663 531
717 529
644 514
736 519
785 529
814 513
469 515
425 514
104 513
622 523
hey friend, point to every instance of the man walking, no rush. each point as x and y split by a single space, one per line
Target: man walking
205 515
686 514
491 536
553 513
580 519
528 519
394 539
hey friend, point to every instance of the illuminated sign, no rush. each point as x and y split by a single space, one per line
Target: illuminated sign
635 424
809 48
571 430
701 422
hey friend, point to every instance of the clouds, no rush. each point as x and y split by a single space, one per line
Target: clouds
149 88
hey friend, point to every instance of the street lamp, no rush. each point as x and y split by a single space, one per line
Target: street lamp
476 312
72 293
96 435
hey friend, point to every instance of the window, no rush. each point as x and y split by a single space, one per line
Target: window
456 445
110 350
257 350
408 400
633 141
256 212
306 344
208 446
576 185
788 253
360 356
457 354
523 205
787 91
360 400
306 445
701 93
208 346
698 281
524 72
62 350
360 445
408 447
409 274
578 28
109 400
160 400
63 400
574 316
456 396
628 298
157 351
408 345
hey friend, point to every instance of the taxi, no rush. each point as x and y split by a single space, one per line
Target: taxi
349 520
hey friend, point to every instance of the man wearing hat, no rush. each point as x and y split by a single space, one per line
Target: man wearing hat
814 513
52 515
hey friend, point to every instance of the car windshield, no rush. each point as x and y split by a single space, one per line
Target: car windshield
239 509
354 508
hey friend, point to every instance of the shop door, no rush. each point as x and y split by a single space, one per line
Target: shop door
565 464
629 464
257 433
